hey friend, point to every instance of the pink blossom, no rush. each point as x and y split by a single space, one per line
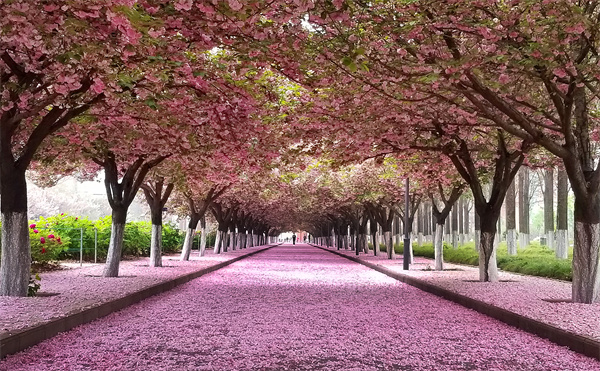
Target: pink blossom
235 5
50 236
42 240
97 87
36 231
32 226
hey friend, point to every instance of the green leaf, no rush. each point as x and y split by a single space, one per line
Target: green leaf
151 103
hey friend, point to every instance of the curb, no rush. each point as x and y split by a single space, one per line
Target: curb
23 339
576 343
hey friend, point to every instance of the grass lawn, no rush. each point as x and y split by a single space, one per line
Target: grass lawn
535 260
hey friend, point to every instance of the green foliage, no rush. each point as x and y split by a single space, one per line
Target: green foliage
172 239
136 238
71 229
535 260
46 245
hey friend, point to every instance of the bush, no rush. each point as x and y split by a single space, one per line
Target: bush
136 238
66 240
172 238
535 260
46 245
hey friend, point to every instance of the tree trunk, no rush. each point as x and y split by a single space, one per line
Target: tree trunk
511 222
461 217
430 222
376 239
232 241
202 236
115 247
447 229
523 178
549 207
397 231
187 244
488 269
15 267
16 254
455 226
477 232
189 237
217 247
466 225
156 199
438 247
156 246
420 225
225 241
562 237
361 240
586 276
156 239
389 244
376 249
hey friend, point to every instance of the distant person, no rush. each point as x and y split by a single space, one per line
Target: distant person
294 239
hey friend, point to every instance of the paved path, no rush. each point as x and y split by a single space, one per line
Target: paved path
296 308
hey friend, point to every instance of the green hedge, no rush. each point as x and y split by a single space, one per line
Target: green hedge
535 260
68 230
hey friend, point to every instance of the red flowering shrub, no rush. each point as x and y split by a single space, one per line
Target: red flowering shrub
46 246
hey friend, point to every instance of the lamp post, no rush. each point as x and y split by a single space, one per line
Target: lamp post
406 256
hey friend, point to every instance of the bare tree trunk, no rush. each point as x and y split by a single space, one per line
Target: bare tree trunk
524 207
549 207
438 247
373 229
455 226
202 236
420 224
16 254
396 229
156 238
232 238
15 266
156 246
115 247
477 232
187 244
156 199
511 223
586 276
217 247
447 231
389 244
562 238
466 226
225 241
461 222
488 269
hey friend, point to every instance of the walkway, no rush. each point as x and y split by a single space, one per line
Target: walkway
296 308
